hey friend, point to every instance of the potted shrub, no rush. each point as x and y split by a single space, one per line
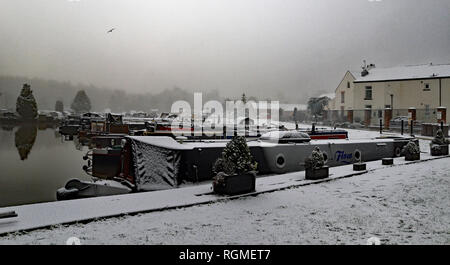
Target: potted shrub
235 171
411 151
315 165
439 145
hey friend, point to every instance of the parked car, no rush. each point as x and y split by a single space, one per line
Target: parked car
397 121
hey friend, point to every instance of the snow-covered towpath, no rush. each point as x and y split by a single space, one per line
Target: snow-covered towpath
407 204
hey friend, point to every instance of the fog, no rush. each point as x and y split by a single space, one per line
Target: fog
284 49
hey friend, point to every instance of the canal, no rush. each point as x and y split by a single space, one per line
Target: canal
35 162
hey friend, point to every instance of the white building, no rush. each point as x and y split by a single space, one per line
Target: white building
420 86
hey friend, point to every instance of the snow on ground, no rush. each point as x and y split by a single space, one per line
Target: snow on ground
400 205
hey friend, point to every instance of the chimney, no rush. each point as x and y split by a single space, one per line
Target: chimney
364 72
366 68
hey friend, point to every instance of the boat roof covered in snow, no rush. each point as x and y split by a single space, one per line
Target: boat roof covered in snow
286 137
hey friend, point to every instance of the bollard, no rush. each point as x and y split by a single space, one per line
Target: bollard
381 126
402 127
387 161
359 166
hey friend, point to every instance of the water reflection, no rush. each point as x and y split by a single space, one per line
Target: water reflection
35 161
24 138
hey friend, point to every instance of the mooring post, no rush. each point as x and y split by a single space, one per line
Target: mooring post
381 126
402 124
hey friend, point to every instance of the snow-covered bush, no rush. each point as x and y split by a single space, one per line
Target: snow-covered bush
439 145
316 160
224 166
236 158
439 139
411 148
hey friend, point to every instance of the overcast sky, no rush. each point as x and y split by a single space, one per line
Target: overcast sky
261 47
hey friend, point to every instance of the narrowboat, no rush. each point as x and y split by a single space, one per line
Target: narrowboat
149 163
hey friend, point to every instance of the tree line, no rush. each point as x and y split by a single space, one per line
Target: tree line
50 95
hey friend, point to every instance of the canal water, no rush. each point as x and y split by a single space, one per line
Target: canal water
35 162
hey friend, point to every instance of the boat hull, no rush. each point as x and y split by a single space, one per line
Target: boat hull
194 160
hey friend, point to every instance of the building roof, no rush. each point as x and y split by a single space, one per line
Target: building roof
426 71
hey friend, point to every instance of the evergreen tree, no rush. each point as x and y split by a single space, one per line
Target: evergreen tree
238 153
26 105
59 106
244 98
81 102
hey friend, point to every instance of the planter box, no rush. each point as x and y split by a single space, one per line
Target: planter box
359 166
412 157
314 174
442 152
236 184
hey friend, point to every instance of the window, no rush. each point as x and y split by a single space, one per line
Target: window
368 106
348 84
368 93
342 97
387 106
427 87
427 110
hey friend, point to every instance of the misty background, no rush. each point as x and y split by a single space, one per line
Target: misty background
164 50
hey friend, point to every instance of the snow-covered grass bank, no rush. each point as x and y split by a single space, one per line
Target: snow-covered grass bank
400 205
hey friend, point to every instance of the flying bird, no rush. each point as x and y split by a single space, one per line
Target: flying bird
111 30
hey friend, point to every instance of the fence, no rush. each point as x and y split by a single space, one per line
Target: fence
392 119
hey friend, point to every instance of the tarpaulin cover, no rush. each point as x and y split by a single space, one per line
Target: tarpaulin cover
156 168
116 119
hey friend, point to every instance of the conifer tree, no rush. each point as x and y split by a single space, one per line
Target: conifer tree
26 105
81 102
238 153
